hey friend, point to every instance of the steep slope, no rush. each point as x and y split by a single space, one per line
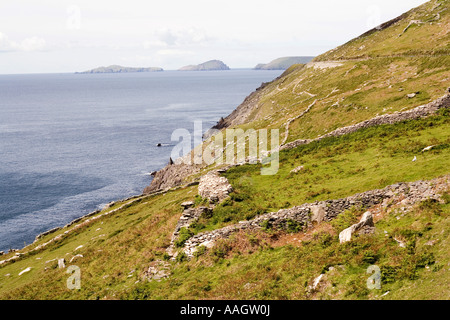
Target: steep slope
277 236
401 36
370 75
338 89
282 63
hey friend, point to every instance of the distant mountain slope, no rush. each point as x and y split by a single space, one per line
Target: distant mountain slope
283 63
120 69
420 31
206 66
400 65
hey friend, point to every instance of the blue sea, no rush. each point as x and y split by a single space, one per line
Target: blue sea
71 143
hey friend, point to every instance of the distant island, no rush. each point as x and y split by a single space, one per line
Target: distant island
283 63
120 69
206 66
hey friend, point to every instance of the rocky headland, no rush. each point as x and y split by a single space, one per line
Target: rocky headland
283 63
206 66
120 69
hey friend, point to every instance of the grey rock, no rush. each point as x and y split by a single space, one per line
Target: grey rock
187 204
61 263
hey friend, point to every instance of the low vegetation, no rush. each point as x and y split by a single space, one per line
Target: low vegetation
410 247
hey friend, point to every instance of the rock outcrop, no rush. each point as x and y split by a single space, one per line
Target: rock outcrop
214 187
120 69
366 224
170 176
157 270
206 66
283 63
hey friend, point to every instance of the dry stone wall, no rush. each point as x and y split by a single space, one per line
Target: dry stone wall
305 214
214 187
418 112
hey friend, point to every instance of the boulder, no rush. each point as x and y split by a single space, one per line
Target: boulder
295 170
61 263
214 187
318 212
24 271
187 204
157 270
365 225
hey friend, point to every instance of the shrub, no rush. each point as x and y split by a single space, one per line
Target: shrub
266 225
238 197
446 197
201 250
181 257
140 293
344 220
220 249
324 239
293 226
184 235
369 257
431 205
200 201
388 273
425 259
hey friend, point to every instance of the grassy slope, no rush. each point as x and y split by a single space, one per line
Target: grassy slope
113 246
274 265
338 167
264 266
389 68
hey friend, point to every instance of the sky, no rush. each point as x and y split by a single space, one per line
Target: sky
58 36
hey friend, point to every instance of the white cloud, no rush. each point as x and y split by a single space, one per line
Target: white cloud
32 44
84 33
177 37
27 44
174 52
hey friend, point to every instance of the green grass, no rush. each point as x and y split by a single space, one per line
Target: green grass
264 271
113 246
273 264
348 94
118 248
338 167
388 41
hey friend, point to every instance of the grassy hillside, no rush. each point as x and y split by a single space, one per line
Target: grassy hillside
273 264
368 76
282 63
343 87
402 36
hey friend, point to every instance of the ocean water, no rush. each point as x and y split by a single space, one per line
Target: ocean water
71 143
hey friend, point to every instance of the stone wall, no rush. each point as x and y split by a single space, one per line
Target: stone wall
306 214
214 187
418 112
